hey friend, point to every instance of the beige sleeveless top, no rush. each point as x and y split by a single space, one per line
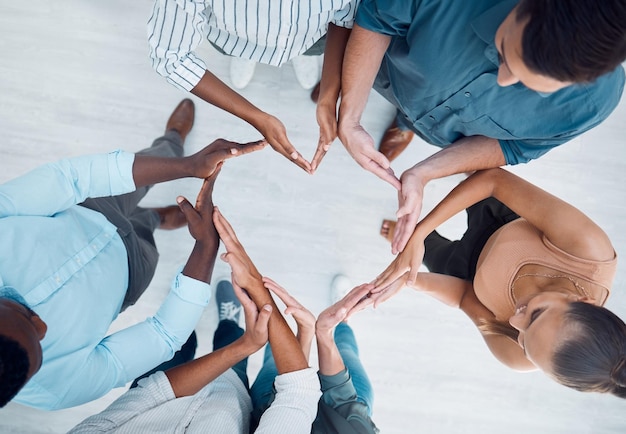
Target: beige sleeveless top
519 243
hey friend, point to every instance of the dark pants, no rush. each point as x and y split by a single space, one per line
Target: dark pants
459 258
136 225
226 333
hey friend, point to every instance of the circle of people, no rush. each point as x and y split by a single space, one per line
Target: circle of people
490 82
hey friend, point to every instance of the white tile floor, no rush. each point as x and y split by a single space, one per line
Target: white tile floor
75 79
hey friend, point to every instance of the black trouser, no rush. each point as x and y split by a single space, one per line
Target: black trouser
459 258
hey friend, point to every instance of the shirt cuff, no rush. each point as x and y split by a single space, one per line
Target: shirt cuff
188 74
191 290
120 165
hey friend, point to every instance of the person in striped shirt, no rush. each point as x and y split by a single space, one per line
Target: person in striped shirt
259 31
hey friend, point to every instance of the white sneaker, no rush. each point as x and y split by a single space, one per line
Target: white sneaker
241 72
339 287
307 70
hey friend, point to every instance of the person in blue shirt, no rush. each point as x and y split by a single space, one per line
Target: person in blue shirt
492 82
77 249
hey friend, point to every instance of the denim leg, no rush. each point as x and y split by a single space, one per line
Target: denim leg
346 343
226 333
262 390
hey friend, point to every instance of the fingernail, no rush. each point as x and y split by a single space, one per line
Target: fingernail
267 307
233 151
294 155
180 199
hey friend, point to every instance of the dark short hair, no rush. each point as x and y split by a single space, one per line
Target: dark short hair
573 40
14 365
594 360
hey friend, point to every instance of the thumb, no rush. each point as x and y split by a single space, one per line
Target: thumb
264 318
186 207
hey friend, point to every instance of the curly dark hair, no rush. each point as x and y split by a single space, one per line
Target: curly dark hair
14 365
573 40
595 359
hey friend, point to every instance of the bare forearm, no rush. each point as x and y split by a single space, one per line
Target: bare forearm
188 379
330 87
216 92
200 264
286 349
329 358
465 155
364 53
149 170
469 154
447 289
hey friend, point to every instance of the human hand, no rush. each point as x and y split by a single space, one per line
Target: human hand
245 274
327 120
204 162
360 146
276 135
304 318
354 301
376 298
410 197
407 262
256 333
200 217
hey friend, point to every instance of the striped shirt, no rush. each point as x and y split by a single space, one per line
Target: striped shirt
266 31
222 406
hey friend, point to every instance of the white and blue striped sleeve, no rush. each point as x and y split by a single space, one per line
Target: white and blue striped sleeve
346 15
175 29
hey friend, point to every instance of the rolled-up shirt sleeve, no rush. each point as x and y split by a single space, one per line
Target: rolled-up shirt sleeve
295 405
345 17
55 187
130 352
175 29
392 18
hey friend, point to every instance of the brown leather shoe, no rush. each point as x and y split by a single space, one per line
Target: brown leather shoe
315 93
395 141
181 118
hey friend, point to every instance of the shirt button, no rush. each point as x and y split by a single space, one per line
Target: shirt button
420 124
431 117
57 279
467 94
447 108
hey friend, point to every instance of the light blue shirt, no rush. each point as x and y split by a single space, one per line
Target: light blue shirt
440 71
71 267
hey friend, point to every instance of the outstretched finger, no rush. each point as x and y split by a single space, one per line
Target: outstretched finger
280 292
322 147
226 231
299 160
386 175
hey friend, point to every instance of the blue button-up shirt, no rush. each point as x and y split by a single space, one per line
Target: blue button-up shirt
441 68
71 267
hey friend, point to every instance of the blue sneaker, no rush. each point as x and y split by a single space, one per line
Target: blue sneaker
228 305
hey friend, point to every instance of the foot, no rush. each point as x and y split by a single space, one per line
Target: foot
387 228
307 70
395 141
171 217
241 72
228 305
315 93
181 119
339 287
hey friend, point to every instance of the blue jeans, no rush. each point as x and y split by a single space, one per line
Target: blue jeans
262 391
